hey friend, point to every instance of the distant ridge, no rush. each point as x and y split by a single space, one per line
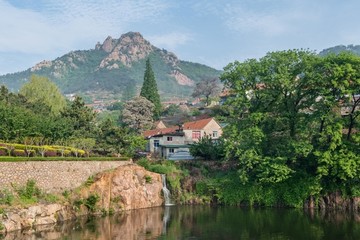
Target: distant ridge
341 48
117 67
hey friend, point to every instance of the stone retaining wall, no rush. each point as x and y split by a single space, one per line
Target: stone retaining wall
52 176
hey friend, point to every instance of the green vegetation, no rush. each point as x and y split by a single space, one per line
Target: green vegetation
208 149
30 129
24 196
148 179
42 90
292 127
91 201
138 114
149 90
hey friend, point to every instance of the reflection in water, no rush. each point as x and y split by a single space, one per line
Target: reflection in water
166 219
203 222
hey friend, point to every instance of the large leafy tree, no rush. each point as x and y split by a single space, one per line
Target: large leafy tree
149 89
293 116
40 90
138 114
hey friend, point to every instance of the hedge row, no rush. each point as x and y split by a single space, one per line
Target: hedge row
20 150
26 159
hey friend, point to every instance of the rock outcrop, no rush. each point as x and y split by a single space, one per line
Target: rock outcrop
333 201
127 187
131 47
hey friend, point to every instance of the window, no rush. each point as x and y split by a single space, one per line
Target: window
169 139
215 134
156 143
171 150
196 134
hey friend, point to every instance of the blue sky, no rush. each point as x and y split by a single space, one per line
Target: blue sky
211 32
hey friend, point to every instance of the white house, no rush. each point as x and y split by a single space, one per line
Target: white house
168 141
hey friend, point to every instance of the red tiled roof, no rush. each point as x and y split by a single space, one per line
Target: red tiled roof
154 132
197 125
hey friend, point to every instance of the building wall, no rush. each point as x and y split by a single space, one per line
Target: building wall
208 130
163 140
52 176
211 127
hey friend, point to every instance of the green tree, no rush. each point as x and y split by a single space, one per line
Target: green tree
138 114
81 116
149 89
118 140
42 90
291 119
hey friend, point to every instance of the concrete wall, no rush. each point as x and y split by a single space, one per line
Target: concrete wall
52 176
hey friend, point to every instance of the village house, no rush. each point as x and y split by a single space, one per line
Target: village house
175 141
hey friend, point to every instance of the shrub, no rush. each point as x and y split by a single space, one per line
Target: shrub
144 163
208 149
148 179
3 151
19 153
30 191
91 201
51 153
6 197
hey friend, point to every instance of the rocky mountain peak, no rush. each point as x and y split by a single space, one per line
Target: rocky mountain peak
130 47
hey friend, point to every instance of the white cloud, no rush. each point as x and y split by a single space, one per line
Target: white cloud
64 25
170 40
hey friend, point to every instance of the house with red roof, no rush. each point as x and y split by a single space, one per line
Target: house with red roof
168 142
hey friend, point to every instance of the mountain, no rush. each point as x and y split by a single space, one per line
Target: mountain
341 48
116 67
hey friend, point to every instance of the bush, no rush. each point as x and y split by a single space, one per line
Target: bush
51 153
30 191
3 151
208 149
18 153
148 179
144 163
6 197
91 201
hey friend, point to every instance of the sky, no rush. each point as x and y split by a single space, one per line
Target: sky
210 32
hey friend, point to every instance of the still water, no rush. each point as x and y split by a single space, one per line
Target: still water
203 222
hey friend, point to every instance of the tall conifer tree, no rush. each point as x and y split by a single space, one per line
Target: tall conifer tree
149 89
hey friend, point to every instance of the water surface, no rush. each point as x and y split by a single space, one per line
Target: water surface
203 222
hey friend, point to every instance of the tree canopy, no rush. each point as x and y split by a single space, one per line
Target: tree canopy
138 114
41 90
294 116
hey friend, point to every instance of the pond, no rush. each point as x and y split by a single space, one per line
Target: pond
204 222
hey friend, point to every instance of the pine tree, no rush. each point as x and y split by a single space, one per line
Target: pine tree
149 89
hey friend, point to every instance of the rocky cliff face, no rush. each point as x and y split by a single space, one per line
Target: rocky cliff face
127 187
130 48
